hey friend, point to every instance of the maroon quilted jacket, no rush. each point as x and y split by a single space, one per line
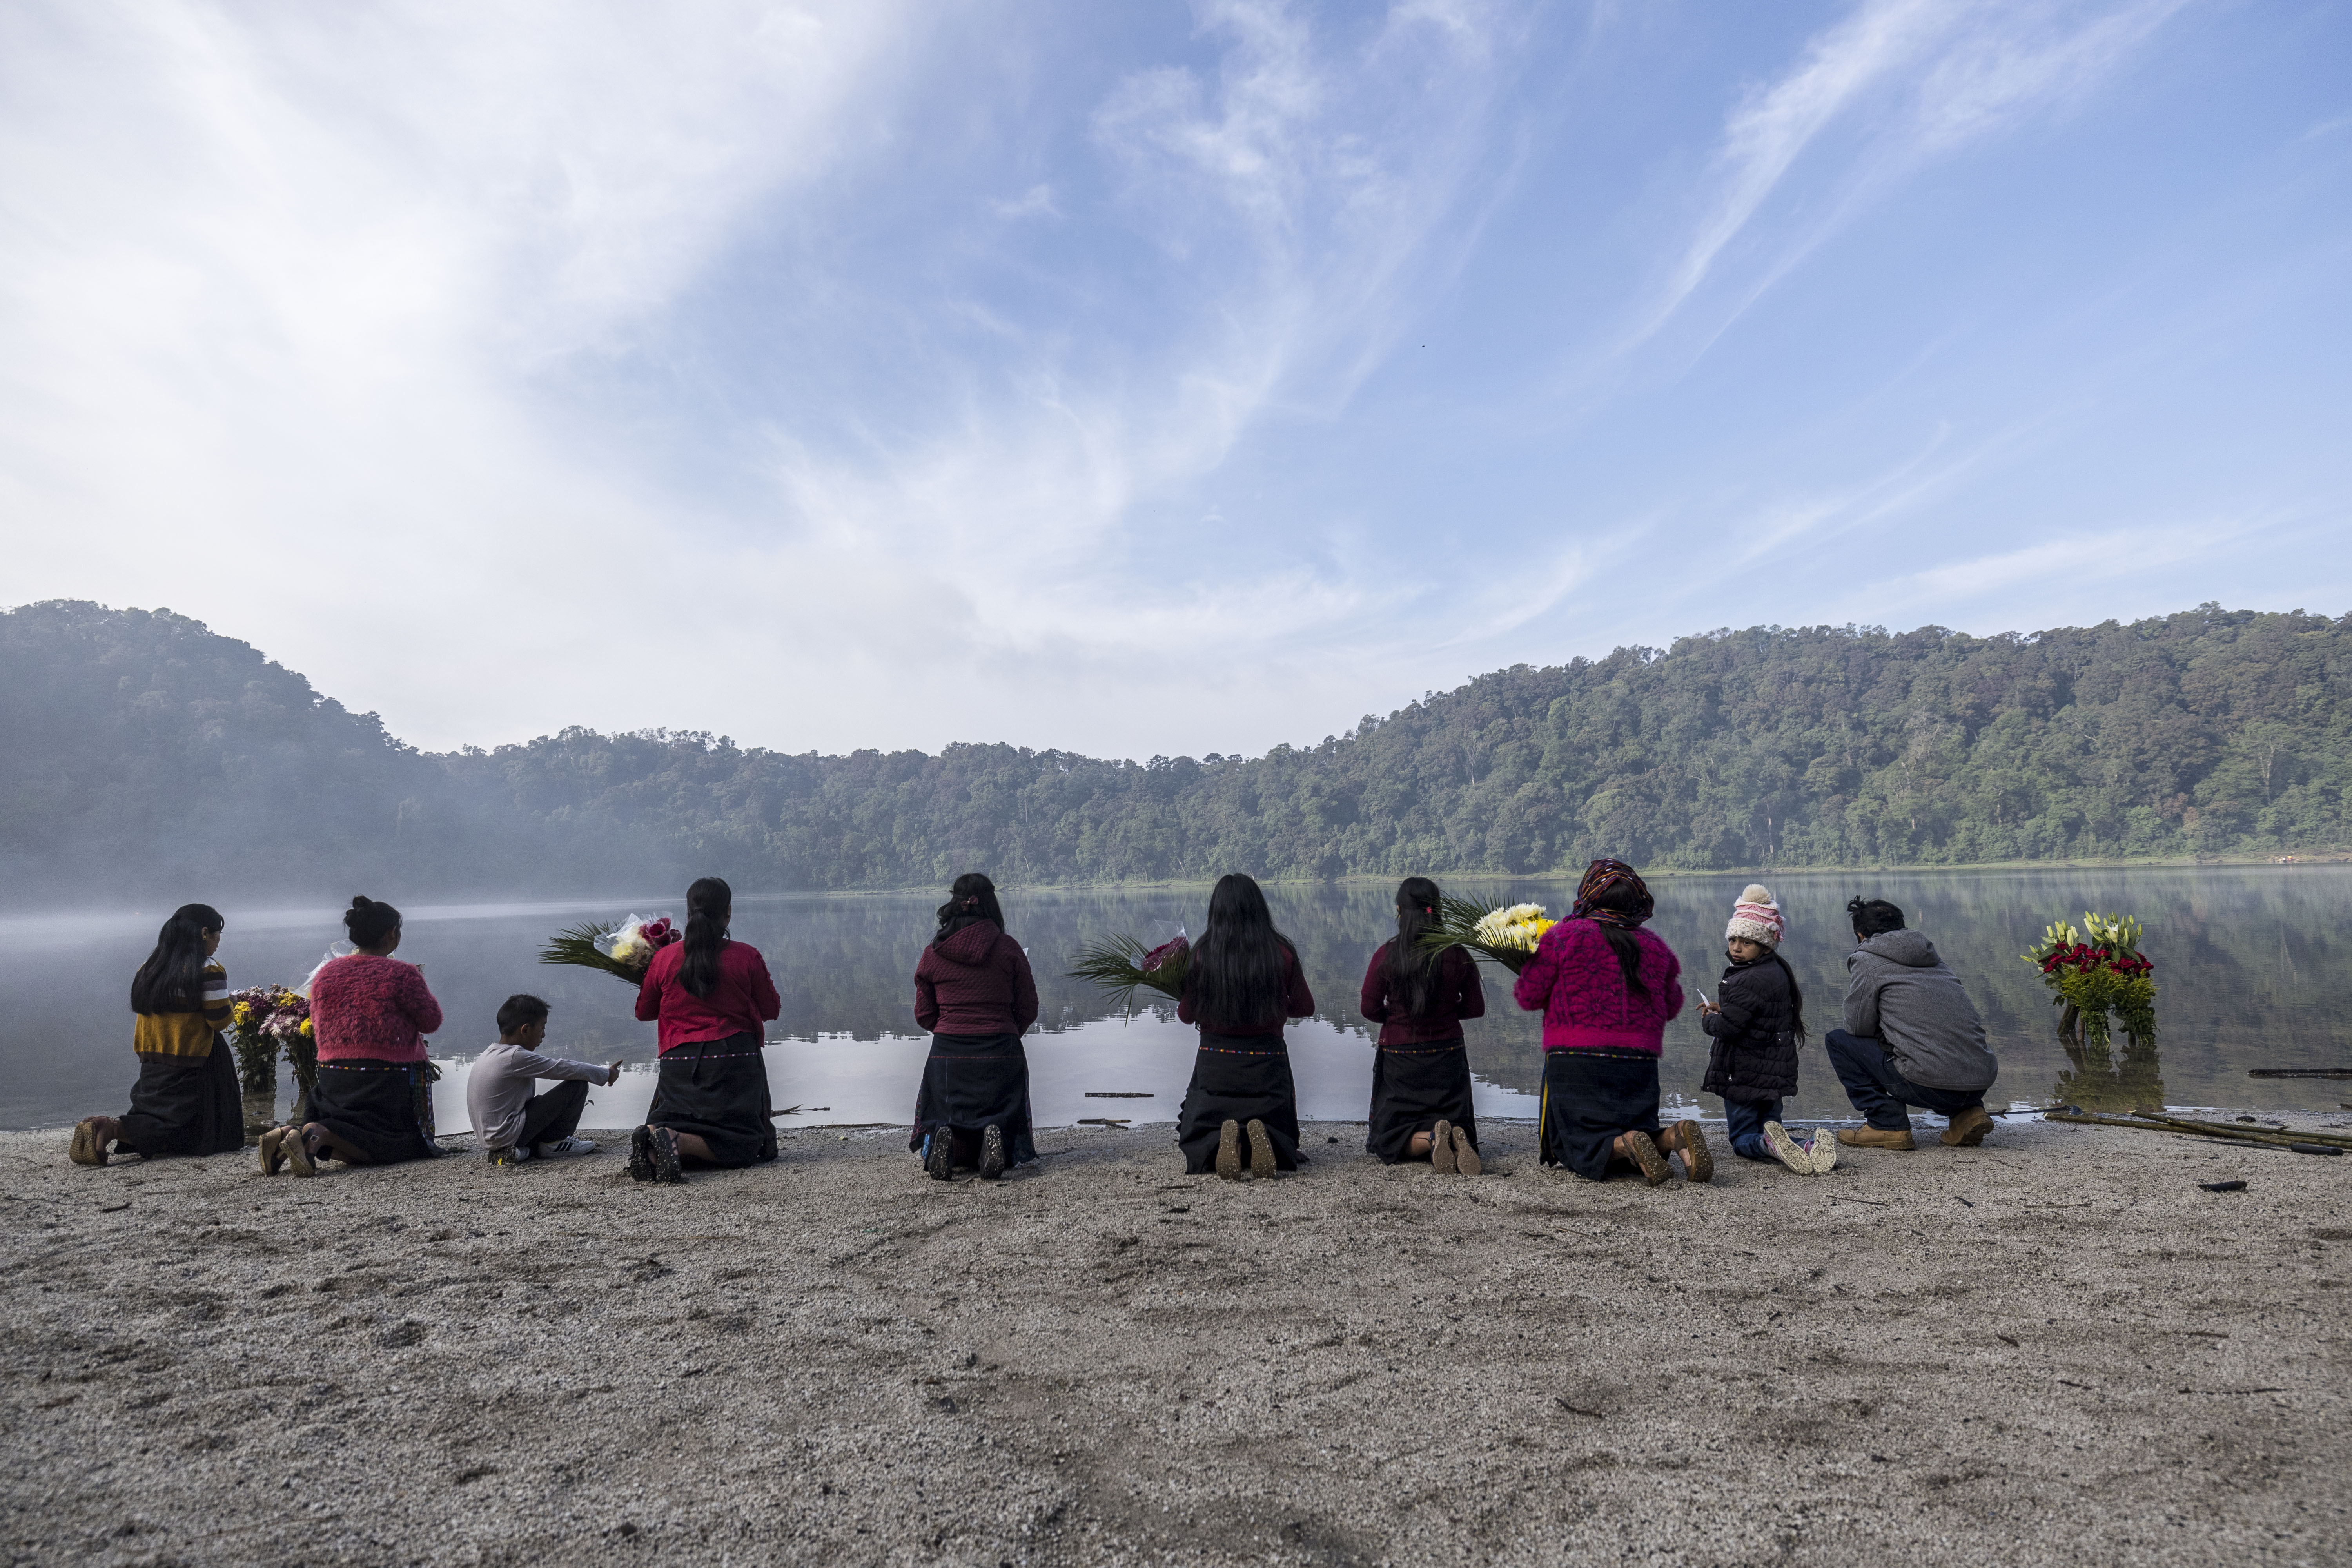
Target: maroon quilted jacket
975 982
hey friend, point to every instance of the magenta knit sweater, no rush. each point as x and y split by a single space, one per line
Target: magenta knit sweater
1575 980
374 1009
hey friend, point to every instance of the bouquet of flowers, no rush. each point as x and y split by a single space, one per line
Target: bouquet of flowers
263 1020
1504 933
1121 964
2094 971
626 950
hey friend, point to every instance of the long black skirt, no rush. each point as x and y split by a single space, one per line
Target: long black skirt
384 1109
718 1090
1414 1088
972 1082
185 1105
1243 1079
1589 1098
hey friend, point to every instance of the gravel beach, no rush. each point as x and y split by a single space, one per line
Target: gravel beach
2057 1348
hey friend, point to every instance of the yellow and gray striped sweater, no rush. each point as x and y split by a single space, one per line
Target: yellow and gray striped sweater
188 1034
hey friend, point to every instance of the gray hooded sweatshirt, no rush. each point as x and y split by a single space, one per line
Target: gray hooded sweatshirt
1898 992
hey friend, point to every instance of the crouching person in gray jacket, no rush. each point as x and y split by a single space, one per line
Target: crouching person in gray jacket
1911 1037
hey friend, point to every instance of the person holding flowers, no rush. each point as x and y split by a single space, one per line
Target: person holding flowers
185 1100
974 993
713 999
1242 982
1419 993
1607 989
371 1102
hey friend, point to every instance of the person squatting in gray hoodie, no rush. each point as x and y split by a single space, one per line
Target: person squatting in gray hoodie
1911 1037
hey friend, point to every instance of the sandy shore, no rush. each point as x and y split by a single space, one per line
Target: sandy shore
2054 1349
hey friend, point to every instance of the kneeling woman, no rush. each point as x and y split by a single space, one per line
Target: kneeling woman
1606 989
185 1102
1242 981
1420 1073
974 993
713 998
372 1101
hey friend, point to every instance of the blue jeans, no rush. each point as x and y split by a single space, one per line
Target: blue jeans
1881 1093
1746 1119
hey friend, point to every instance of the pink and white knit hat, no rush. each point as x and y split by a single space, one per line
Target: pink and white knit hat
1756 917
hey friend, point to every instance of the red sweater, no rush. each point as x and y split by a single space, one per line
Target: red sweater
1298 1002
743 1000
977 982
1575 980
1455 993
371 1009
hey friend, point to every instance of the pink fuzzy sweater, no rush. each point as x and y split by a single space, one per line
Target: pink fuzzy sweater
1575 981
374 1009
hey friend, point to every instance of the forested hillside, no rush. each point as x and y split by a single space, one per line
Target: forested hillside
146 752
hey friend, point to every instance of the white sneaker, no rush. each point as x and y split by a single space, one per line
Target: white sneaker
1822 1151
566 1146
1786 1149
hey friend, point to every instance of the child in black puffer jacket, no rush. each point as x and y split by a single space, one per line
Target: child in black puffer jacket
1756 1024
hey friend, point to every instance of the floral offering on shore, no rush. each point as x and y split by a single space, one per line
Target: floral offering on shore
1121 964
2094 971
1502 933
263 1020
626 950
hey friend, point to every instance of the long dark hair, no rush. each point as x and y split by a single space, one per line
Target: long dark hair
709 903
971 901
1236 978
368 922
1412 968
1624 898
172 978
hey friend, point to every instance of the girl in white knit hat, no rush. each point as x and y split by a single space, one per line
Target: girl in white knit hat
1756 1024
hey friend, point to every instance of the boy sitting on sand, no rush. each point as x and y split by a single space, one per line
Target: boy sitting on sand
516 1124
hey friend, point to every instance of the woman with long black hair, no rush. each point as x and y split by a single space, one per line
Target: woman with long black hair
1242 982
185 1102
371 1102
974 993
1420 1070
713 998
1607 988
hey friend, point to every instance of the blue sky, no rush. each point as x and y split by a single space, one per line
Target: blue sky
1154 378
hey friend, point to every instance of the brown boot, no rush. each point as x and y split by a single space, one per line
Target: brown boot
1698 1160
1262 1165
1465 1154
1875 1138
1967 1128
1441 1148
1229 1150
1654 1169
88 1148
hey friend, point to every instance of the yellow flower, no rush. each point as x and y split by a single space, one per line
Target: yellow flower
306 1028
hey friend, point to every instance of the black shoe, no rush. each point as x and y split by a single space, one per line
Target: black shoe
938 1160
991 1153
641 1155
666 1169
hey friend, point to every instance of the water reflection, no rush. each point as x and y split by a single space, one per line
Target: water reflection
2243 956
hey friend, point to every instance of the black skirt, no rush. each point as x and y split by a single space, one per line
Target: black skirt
718 1090
1414 1088
976 1081
1243 1079
185 1105
384 1109
1589 1098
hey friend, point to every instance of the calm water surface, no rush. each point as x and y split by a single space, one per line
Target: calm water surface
2247 961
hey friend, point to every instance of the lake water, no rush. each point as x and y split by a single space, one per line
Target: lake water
2247 964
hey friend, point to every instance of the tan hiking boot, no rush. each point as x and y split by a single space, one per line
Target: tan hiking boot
1441 1148
1465 1154
1875 1138
1654 1169
1229 1150
1967 1128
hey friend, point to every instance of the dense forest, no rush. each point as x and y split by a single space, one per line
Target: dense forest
144 753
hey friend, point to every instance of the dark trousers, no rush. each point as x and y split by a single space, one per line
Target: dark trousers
1745 1121
554 1114
1881 1093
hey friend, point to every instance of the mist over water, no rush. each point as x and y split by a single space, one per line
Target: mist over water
2248 965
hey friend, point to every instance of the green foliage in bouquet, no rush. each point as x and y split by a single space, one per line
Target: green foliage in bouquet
1121 965
2094 971
1502 933
577 944
256 1047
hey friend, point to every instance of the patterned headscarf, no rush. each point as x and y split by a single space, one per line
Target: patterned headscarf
1599 877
